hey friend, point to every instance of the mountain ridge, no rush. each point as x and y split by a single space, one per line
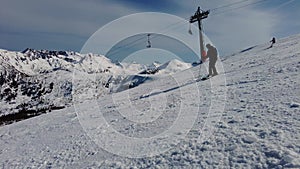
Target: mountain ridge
42 80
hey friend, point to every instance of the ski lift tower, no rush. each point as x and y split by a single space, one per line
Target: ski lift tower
198 16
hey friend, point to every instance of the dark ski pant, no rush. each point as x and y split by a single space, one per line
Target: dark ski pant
212 68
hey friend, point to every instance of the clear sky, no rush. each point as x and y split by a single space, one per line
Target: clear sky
67 24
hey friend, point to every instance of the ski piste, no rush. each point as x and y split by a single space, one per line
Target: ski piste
191 80
261 119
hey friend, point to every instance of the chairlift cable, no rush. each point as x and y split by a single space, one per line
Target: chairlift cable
175 25
229 5
142 39
236 8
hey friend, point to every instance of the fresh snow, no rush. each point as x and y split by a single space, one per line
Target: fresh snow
173 66
259 127
38 81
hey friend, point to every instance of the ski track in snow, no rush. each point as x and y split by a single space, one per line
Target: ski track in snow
259 128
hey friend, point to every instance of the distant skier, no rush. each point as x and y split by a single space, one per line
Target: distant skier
212 54
272 42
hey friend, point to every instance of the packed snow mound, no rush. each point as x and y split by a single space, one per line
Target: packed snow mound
133 67
174 66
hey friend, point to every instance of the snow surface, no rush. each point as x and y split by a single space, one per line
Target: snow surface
38 81
259 127
44 78
173 66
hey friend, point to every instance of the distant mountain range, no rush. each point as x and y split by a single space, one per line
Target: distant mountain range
34 82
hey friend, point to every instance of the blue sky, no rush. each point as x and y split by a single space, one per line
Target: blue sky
67 24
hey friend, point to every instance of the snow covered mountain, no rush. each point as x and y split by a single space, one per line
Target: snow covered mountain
173 66
259 127
34 82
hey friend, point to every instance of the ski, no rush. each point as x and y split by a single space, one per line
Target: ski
205 77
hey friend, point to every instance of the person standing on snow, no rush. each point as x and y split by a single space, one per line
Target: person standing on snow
212 54
273 41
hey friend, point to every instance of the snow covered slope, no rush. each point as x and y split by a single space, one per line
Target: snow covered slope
259 128
34 82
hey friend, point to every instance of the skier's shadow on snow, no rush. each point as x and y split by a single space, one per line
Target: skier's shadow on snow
157 93
268 48
165 91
